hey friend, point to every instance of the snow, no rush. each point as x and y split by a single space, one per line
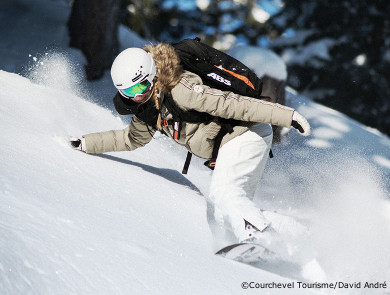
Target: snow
312 54
302 55
129 222
262 61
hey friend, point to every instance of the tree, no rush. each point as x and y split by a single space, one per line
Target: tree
338 52
212 20
93 28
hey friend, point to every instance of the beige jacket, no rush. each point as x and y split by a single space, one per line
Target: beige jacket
189 93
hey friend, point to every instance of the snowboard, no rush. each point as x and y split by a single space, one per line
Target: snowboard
261 257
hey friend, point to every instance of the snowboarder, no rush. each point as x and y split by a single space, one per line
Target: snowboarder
145 78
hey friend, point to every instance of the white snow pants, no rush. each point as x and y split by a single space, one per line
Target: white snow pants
239 167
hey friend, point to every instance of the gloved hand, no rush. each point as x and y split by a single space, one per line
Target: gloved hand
77 143
300 123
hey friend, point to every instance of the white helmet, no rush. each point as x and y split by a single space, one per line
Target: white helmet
132 66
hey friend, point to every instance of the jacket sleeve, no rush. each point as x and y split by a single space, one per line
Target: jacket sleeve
136 135
190 93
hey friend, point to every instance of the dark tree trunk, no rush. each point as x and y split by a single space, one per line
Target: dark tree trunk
93 28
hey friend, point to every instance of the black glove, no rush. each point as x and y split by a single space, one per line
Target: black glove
77 143
300 123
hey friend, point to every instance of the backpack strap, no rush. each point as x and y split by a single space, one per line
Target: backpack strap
187 163
179 116
226 127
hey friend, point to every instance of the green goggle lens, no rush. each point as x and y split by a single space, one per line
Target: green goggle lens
137 89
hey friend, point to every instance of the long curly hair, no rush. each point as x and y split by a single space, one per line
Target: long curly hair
169 71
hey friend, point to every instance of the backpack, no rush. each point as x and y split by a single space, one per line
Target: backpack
217 70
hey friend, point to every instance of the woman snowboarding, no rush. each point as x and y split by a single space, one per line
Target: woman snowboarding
149 79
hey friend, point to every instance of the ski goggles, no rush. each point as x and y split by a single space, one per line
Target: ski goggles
137 89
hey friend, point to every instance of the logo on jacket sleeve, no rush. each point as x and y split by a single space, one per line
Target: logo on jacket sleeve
198 89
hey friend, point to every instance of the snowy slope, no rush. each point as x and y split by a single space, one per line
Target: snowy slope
75 223
129 222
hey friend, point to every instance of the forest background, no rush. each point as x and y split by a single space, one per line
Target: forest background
337 52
